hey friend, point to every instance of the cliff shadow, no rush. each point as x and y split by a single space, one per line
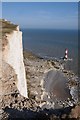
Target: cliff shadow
46 114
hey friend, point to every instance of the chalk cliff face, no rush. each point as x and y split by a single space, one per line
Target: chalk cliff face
12 54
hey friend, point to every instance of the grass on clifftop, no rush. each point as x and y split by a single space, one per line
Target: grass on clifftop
6 27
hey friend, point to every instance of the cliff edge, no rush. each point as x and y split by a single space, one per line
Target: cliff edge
11 52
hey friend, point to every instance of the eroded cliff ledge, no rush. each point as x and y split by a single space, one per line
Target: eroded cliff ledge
12 56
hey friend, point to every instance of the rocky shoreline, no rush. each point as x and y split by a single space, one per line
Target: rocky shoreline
41 104
49 75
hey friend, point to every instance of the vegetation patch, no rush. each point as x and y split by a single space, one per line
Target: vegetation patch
6 27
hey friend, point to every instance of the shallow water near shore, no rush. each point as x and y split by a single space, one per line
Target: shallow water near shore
49 43
55 83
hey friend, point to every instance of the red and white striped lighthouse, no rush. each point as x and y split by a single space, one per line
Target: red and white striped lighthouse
66 54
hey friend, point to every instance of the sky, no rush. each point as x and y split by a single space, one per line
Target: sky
40 0
47 15
0 10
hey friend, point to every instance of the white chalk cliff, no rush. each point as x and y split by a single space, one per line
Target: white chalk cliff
12 54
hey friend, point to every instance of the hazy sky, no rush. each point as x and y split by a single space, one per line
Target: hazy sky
40 0
0 10
56 15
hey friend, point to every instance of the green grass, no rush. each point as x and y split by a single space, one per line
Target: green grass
6 27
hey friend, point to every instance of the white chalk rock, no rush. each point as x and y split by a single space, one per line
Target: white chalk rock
13 55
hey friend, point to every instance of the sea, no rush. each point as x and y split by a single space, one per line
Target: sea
51 43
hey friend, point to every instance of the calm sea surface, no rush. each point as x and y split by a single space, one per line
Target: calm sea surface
52 43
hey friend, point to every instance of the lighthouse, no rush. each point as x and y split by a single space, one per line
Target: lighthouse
66 54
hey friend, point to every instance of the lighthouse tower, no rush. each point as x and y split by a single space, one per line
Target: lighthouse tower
66 54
